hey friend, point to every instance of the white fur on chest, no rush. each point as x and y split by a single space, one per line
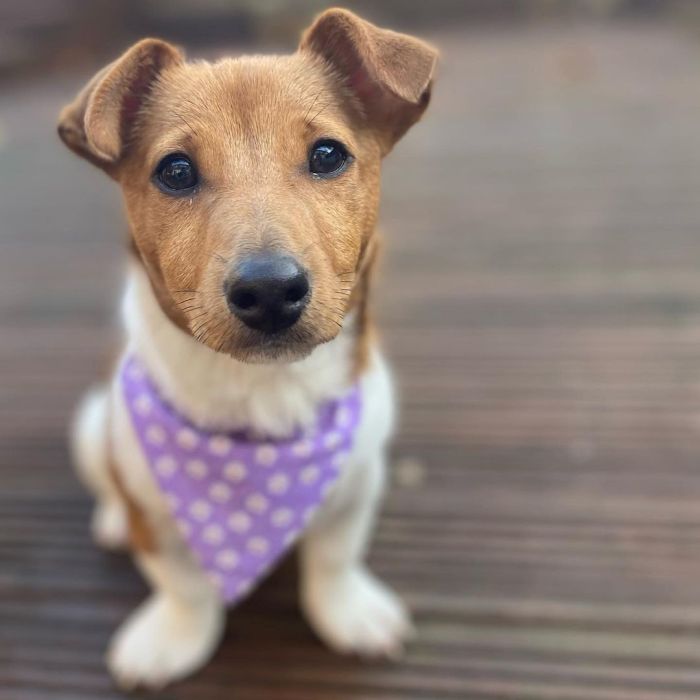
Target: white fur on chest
216 391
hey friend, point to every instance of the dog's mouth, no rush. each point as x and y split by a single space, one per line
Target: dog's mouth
256 347
284 346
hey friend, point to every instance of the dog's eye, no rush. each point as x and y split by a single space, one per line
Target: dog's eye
328 158
176 173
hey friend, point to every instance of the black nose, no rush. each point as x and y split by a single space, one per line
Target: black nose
268 291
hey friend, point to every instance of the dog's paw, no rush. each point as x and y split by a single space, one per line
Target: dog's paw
354 613
163 641
110 526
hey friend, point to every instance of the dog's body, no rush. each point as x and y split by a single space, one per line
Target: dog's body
236 373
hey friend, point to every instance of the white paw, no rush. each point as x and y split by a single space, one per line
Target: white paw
163 641
354 613
110 526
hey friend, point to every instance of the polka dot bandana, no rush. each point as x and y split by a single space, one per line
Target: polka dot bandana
239 502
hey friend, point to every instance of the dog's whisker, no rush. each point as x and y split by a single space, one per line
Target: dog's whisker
189 126
313 104
216 331
221 331
320 111
197 328
222 342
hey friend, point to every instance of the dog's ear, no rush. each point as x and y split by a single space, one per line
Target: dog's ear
98 123
390 74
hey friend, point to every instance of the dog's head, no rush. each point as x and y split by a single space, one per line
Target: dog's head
252 185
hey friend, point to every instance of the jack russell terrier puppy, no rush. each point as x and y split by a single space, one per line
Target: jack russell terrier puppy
251 407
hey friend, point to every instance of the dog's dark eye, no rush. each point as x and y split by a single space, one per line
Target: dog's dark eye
328 158
176 173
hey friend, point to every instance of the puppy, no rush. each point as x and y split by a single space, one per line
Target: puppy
251 407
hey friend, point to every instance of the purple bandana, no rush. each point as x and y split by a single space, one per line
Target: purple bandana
239 502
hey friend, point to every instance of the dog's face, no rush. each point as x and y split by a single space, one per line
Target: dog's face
249 204
252 185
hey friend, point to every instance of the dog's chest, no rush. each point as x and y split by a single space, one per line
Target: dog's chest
239 502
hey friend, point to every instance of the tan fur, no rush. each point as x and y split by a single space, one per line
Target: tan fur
360 303
96 125
389 73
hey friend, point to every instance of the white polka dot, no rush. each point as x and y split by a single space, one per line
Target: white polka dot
143 404
155 434
303 448
257 503
281 517
342 418
235 471
227 559
213 534
258 545
309 475
165 465
266 455
196 468
187 438
278 483
200 510
220 492
332 440
220 445
239 521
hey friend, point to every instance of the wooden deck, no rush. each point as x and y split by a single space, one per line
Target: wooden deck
541 303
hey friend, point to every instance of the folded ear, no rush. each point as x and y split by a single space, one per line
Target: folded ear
390 74
98 123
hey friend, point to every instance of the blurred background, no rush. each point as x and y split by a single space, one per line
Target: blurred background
540 301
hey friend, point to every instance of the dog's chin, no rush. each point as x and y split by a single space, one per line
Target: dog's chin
278 348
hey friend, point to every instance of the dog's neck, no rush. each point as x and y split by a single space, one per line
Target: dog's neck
216 391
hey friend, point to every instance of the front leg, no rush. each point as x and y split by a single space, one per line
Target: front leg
175 631
349 608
